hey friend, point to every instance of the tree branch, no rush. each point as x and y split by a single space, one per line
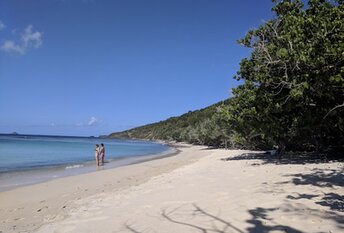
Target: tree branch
338 106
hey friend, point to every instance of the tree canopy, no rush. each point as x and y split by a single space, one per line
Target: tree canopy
293 91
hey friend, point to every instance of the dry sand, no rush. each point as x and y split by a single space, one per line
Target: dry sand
198 190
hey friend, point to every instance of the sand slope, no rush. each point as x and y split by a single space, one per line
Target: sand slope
206 192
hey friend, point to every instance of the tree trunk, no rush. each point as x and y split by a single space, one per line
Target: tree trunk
281 150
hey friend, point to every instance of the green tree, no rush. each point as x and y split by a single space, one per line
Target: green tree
293 91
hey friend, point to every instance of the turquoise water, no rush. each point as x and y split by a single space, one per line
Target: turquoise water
32 159
28 152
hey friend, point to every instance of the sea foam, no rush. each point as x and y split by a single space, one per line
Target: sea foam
74 166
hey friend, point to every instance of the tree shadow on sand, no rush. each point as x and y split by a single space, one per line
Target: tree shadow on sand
333 200
261 219
289 158
263 223
210 148
319 178
217 224
260 215
302 196
132 229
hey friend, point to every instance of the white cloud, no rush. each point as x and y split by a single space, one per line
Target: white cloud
93 121
31 38
11 47
2 25
28 39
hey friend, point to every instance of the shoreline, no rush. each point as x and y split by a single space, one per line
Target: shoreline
199 189
25 208
19 178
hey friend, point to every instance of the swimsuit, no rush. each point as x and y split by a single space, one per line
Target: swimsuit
97 153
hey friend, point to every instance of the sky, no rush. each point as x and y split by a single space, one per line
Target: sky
93 67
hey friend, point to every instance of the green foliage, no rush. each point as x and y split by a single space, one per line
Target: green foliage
293 91
197 127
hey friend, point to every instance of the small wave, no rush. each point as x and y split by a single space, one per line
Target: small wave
74 166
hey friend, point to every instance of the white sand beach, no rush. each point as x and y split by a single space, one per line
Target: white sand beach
198 190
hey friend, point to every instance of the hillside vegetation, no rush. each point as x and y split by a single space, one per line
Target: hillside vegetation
197 127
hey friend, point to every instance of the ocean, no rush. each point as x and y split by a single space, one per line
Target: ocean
29 159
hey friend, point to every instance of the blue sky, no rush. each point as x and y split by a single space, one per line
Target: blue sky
91 67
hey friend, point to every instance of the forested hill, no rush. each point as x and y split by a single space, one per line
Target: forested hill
192 127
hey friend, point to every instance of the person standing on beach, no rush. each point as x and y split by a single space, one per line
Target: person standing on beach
102 152
97 154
